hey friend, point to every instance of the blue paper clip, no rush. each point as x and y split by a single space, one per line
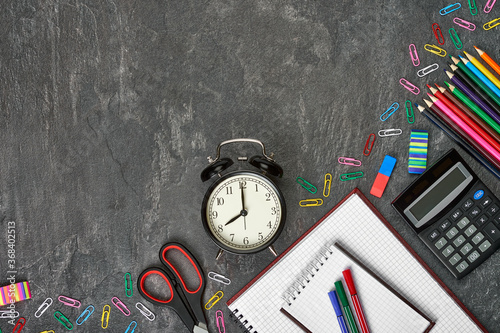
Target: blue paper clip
305 184
131 327
451 8
350 176
85 315
389 111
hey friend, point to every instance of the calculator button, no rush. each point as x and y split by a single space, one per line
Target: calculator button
485 246
452 233
473 256
478 195
497 220
459 241
462 267
475 212
446 224
468 204
486 202
456 257
456 215
492 210
482 220
434 235
449 250
466 249
440 243
470 230
492 232
463 222
477 238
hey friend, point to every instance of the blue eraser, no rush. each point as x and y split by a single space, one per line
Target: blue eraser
387 165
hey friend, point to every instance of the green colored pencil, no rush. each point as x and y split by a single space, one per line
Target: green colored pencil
473 106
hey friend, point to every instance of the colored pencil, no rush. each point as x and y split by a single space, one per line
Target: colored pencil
473 106
487 59
458 139
469 121
483 69
480 75
476 85
467 129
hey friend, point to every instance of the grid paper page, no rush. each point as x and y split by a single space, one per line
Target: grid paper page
360 231
384 311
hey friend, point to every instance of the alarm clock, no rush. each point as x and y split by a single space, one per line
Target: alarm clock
243 211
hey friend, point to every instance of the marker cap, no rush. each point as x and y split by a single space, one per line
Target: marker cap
335 302
341 292
349 281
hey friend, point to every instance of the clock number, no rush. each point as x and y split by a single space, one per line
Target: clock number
232 237
268 196
260 237
229 190
269 225
220 201
243 185
214 215
273 210
246 241
256 187
220 228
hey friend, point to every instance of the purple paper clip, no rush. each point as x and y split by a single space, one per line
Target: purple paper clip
464 24
120 305
74 303
414 55
219 318
489 6
349 161
409 86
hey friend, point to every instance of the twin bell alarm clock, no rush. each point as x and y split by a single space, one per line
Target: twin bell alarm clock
243 211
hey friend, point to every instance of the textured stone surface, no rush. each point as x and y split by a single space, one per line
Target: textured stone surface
110 108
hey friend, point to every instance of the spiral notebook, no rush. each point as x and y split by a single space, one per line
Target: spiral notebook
361 229
385 310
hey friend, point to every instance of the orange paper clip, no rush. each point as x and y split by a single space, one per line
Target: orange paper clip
438 33
369 144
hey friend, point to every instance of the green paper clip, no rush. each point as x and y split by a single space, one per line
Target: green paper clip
63 320
455 39
350 176
128 285
305 184
409 112
472 7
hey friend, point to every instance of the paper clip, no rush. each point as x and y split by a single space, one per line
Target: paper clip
131 327
74 303
390 132
435 49
120 305
409 112
350 176
414 55
464 24
349 161
105 316
369 144
491 24
489 6
219 278
438 33
145 311
214 299
19 325
389 111
328 185
305 184
310 202
455 39
128 285
429 69
63 320
8 314
472 7
85 315
219 319
409 86
51 331
42 308
451 8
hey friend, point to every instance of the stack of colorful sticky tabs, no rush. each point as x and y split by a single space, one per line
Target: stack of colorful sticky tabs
14 293
418 151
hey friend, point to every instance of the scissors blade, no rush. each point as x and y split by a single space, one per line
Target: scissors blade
200 328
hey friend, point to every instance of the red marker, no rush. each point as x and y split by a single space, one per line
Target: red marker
355 300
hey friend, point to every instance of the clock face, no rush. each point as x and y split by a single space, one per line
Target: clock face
243 212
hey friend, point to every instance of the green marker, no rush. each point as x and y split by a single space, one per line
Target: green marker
345 304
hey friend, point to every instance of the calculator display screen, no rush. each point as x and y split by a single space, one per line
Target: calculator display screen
439 195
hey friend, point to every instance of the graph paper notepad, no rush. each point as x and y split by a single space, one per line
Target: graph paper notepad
361 229
385 310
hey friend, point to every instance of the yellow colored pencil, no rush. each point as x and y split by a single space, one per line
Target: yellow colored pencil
488 60
483 70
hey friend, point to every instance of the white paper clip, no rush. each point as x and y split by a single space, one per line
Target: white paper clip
145 311
219 278
390 132
429 69
42 308
409 86
464 24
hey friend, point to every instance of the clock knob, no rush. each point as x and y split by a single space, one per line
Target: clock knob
266 165
215 168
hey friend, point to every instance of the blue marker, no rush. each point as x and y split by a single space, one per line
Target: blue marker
338 311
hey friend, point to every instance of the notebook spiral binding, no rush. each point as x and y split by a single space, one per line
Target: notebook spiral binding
308 273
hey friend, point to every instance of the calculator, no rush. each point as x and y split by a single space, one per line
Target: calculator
454 213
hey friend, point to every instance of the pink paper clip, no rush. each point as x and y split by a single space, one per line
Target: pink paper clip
121 306
349 161
219 318
409 86
464 24
74 303
489 6
414 55
438 33
19 325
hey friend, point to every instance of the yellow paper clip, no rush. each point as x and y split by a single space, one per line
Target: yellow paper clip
435 49
214 299
51 331
105 316
328 185
310 202
491 24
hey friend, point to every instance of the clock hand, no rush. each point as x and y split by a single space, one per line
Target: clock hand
242 213
242 199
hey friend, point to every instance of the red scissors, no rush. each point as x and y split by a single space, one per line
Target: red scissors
184 298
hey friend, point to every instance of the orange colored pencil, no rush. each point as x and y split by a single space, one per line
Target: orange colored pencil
488 60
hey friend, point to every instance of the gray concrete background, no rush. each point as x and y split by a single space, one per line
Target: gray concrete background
110 108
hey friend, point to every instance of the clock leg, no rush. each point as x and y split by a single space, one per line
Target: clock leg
219 254
273 251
